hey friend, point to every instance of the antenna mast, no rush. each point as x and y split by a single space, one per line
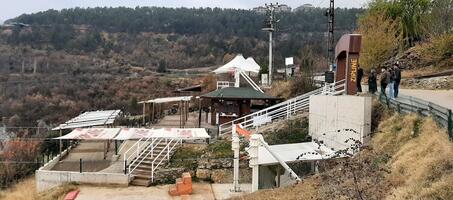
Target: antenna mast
270 26
330 13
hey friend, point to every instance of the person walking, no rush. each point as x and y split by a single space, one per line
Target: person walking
397 79
385 79
391 82
359 79
372 84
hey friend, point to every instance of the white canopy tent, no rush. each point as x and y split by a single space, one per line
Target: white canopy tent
134 133
181 133
91 134
239 62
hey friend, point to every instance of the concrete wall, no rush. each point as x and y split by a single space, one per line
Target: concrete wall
46 179
330 116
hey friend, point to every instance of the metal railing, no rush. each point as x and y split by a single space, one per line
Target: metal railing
143 155
167 147
250 81
224 84
283 110
138 147
408 104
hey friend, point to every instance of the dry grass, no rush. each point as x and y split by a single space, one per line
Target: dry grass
26 190
410 158
280 89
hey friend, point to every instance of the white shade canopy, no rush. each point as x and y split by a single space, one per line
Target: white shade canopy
239 62
167 99
90 119
134 133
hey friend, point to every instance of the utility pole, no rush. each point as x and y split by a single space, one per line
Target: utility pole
330 13
270 24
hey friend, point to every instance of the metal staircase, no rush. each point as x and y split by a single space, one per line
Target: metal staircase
143 159
283 110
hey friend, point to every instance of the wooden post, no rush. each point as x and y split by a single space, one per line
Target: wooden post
180 115
199 113
61 142
278 175
152 114
144 112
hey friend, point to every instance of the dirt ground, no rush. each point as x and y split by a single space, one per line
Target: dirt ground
201 191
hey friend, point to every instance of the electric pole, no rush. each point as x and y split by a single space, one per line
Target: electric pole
270 26
330 13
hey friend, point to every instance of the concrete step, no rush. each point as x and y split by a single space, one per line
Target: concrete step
141 182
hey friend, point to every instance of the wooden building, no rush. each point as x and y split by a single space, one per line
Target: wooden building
230 103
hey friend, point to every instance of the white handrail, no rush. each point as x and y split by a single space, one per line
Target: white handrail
150 148
153 166
250 81
286 108
137 151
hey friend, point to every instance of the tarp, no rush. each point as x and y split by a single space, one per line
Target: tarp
91 134
239 62
290 152
183 133
135 133
90 119
167 99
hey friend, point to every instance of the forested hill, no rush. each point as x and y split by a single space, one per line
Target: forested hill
151 36
230 22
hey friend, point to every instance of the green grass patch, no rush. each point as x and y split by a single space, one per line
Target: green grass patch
220 149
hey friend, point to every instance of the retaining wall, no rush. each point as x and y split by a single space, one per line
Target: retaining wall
335 119
46 179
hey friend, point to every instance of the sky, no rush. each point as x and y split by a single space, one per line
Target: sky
12 8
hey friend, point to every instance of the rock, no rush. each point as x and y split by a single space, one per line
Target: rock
167 176
222 175
204 174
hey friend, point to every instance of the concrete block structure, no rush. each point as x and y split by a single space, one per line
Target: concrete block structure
183 185
335 119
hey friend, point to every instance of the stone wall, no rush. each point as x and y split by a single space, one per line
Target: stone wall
221 170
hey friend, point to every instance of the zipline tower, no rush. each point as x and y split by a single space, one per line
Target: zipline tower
270 26
330 13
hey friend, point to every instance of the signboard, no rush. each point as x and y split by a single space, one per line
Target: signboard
289 61
264 79
351 74
260 120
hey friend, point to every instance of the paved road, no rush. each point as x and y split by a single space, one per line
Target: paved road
440 97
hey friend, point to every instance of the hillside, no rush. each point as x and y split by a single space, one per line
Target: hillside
409 158
72 60
145 36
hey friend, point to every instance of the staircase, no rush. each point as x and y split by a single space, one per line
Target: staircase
283 110
149 158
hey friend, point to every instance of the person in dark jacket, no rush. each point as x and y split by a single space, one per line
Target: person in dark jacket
359 79
396 79
372 84
385 79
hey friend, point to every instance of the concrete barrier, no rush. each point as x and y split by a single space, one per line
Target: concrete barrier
46 179
334 119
